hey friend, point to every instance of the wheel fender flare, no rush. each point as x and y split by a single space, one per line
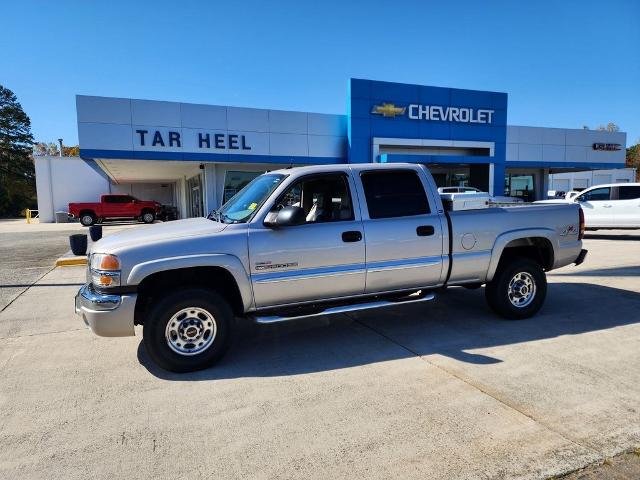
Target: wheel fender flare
230 263
503 240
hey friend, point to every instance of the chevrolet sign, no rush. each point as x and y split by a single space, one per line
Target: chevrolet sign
388 110
450 114
435 113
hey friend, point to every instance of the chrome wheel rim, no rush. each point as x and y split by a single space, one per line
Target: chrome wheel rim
522 289
87 219
191 331
147 217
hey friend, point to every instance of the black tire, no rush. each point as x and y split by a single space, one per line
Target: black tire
503 301
88 218
148 216
156 336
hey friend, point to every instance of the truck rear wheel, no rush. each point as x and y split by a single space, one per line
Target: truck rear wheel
188 330
518 289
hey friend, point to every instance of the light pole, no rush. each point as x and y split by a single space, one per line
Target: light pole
60 142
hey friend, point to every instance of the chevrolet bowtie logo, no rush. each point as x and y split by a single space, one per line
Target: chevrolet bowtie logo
388 110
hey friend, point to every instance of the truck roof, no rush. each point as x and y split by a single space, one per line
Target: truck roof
345 167
619 184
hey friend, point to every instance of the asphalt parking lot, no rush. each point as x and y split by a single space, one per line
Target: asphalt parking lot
442 390
29 259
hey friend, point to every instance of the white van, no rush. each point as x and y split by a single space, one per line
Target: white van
613 205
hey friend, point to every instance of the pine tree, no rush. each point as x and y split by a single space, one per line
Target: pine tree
17 174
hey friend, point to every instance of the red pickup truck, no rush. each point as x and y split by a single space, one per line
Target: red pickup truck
115 206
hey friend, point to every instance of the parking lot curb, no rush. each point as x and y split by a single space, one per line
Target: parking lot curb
69 260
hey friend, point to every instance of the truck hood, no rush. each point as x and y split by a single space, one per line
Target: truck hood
158 232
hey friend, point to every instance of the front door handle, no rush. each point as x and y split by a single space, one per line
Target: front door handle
607 206
425 230
351 236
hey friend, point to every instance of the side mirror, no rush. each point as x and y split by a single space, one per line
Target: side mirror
287 217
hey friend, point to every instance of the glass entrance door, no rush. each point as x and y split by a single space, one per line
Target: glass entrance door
195 207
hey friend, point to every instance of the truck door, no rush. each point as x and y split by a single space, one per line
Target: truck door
626 207
597 207
403 231
319 260
115 205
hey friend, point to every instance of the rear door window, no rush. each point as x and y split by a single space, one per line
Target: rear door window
630 192
394 193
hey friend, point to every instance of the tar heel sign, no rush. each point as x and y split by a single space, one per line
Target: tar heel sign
436 113
191 140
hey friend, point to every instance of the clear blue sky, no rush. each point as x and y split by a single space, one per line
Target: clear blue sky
563 64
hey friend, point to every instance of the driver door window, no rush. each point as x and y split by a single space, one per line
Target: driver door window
596 194
315 260
323 199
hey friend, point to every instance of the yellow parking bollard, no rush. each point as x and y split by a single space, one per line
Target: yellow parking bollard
28 213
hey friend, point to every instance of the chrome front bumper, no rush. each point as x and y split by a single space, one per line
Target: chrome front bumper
105 314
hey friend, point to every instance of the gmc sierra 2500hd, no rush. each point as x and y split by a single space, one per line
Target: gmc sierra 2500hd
317 241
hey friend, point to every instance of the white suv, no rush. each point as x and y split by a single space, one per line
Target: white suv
613 205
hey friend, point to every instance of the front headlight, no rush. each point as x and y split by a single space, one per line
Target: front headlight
104 270
104 261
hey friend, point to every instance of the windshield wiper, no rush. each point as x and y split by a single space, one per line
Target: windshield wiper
215 216
218 216
226 218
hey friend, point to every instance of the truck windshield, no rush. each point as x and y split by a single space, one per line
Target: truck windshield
241 207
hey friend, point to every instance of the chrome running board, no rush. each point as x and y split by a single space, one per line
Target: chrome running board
413 298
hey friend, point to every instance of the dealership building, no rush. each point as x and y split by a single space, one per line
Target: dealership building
195 157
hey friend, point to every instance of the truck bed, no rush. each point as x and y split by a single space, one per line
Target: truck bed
474 234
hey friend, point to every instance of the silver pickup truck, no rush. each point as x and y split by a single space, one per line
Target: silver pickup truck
313 241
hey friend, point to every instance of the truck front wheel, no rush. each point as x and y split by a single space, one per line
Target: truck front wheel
148 216
188 330
518 289
87 219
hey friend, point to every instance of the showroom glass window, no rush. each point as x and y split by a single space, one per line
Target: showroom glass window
235 181
394 193
520 186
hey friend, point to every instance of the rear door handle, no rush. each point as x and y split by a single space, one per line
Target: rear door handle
351 236
425 230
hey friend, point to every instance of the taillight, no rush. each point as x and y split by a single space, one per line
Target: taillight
581 217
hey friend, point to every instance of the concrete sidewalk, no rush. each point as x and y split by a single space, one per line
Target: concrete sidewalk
444 390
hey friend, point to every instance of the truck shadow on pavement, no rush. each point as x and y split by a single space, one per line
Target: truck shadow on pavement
610 236
453 325
628 271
